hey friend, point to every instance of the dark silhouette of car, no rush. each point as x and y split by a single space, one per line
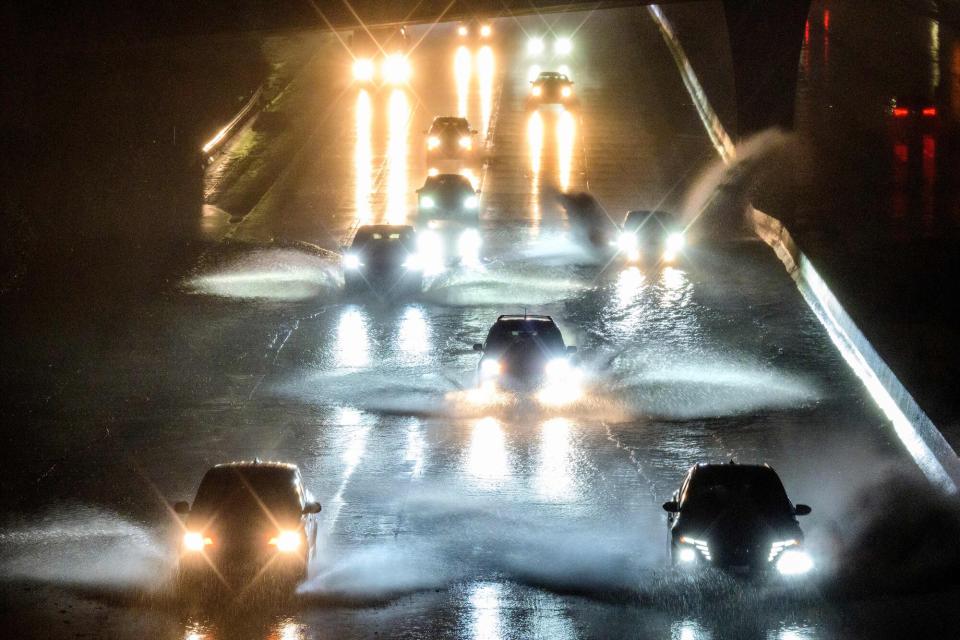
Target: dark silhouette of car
523 353
651 236
251 525
383 258
551 87
448 221
736 517
380 55
450 138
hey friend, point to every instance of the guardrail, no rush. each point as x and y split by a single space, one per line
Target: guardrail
921 438
211 149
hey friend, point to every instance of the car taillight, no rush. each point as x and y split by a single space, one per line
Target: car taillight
929 112
900 112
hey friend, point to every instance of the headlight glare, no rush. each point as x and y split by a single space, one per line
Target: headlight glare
426 202
433 142
363 70
195 541
286 541
794 562
466 142
536 90
351 261
471 202
627 241
566 92
687 555
489 368
563 46
675 242
485 31
535 46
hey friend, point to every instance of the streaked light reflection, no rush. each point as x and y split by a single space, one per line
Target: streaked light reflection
554 473
674 287
485 71
414 335
462 67
291 631
485 602
363 158
535 144
352 349
689 630
487 454
399 123
566 133
630 283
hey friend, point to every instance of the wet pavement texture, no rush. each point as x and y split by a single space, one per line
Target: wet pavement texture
446 514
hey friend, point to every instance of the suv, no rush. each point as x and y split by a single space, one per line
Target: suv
523 353
736 517
448 217
383 257
250 521
653 236
450 138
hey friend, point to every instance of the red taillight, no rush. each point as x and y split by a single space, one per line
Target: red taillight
826 20
929 112
900 112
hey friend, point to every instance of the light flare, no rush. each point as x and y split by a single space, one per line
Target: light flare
399 122
566 135
485 73
363 158
462 69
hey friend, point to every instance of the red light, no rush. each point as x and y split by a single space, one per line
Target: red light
900 112
929 112
826 20
901 152
806 31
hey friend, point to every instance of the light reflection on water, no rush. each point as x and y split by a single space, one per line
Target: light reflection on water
485 72
397 148
487 452
352 349
363 158
554 480
414 338
566 136
462 70
485 605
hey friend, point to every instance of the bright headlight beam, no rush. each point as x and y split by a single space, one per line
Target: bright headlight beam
194 541
351 261
433 142
536 90
535 46
465 142
794 562
686 554
485 31
489 368
471 202
363 70
563 46
286 541
426 202
675 242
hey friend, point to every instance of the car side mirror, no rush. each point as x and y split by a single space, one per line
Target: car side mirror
182 507
312 507
477 346
571 349
801 510
671 507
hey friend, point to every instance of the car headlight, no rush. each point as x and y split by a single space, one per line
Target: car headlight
627 241
396 69
363 70
430 247
489 368
558 368
485 31
471 202
468 246
675 242
413 263
195 541
566 92
535 46
466 142
287 541
687 555
694 545
794 562
462 30
563 46
351 261
536 90
426 202
433 142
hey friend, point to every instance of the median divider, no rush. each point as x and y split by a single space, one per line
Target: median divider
921 438
211 149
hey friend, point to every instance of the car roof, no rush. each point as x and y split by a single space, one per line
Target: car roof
385 228
642 216
443 179
450 120
732 470
552 75
256 464
532 318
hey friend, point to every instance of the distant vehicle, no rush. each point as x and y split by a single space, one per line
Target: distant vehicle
450 138
251 523
559 46
551 87
525 353
380 55
448 220
474 29
736 517
383 258
652 236
590 225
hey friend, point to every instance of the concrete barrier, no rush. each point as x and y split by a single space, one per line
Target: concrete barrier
921 438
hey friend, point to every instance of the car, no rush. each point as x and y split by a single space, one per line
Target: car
736 517
526 353
551 87
450 138
474 29
383 258
652 236
380 53
250 524
448 220
559 46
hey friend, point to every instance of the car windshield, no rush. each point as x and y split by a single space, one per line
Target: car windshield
448 126
652 220
246 491
381 239
506 332
447 181
716 489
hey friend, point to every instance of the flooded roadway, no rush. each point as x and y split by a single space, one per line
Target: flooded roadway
444 514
